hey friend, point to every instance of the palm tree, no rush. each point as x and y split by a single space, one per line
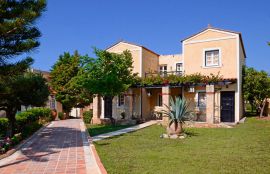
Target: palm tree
178 113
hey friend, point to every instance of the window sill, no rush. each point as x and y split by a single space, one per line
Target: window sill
207 67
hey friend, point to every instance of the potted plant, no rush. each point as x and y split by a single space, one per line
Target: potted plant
54 114
178 113
123 115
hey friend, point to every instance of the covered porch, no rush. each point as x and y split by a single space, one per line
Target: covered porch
208 103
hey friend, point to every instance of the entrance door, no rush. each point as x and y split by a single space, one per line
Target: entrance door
227 106
107 107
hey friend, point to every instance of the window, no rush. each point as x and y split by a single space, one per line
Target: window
179 67
121 100
201 99
52 102
212 58
163 70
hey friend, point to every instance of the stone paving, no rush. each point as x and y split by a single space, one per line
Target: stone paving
60 148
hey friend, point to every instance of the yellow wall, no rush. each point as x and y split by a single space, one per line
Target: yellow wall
135 51
209 34
194 56
170 61
149 61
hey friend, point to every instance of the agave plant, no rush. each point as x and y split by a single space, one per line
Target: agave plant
178 113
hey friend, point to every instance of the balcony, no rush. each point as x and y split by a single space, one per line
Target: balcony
164 73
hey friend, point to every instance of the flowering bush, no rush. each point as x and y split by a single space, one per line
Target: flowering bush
7 143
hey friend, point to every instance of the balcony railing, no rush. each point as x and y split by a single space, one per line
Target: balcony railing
164 73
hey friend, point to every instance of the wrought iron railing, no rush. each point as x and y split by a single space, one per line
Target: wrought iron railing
164 73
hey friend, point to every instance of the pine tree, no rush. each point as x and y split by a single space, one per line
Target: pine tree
18 33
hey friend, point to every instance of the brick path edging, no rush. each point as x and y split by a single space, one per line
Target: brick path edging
101 167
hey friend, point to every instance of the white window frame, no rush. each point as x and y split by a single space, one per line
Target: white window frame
162 72
204 58
197 98
182 67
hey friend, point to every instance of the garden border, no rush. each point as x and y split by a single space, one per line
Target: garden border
16 149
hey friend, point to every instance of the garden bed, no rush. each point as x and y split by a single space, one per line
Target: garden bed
27 123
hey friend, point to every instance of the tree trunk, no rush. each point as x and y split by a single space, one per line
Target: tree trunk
66 115
262 108
12 120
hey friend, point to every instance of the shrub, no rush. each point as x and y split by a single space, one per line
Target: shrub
61 115
15 140
31 116
42 113
30 129
87 116
3 126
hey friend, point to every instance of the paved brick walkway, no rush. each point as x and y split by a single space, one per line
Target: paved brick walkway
60 148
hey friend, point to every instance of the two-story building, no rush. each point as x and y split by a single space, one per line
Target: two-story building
212 50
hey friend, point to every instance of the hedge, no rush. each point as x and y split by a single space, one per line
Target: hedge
3 126
32 116
61 115
87 116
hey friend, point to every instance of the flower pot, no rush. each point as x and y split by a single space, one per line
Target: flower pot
54 114
175 128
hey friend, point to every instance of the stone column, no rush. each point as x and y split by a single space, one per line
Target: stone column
210 103
96 109
166 92
128 104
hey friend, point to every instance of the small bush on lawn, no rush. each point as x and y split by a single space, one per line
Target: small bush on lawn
3 126
87 116
61 115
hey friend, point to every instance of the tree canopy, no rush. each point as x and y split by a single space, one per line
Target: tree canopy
256 86
28 89
18 33
65 75
109 74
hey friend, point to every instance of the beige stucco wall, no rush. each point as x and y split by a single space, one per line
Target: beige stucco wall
209 34
170 61
149 61
135 52
232 59
194 56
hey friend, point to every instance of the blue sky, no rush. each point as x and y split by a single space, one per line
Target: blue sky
159 25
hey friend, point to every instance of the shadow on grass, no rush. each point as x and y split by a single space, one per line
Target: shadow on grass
251 114
191 133
102 129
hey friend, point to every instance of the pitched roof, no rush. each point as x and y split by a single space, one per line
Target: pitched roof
132 44
219 29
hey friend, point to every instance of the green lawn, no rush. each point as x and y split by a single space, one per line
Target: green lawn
101 129
244 149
